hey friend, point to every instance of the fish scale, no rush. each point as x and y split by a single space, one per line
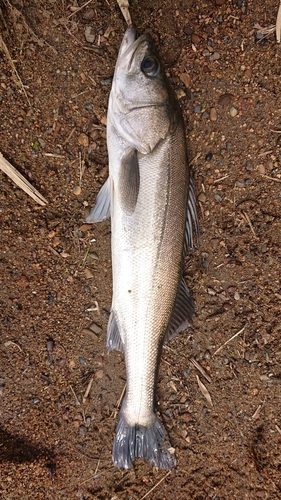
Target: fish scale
151 202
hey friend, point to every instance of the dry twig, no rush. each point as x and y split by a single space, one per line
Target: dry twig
155 486
86 394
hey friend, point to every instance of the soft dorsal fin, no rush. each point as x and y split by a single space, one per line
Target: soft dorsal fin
129 182
182 313
101 210
114 340
191 219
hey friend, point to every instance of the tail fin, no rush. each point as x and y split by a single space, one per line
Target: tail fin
150 443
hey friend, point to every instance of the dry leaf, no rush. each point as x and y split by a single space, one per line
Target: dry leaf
21 181
88 273
204 390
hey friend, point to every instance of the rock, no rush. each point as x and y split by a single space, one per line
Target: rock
88 14
215 56
209 156
213 115
233 111
197 109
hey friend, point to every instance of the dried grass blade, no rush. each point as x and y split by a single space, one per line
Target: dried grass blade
201 369
278 24
20 181
204 391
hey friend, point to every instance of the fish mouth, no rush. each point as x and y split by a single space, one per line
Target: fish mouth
129 45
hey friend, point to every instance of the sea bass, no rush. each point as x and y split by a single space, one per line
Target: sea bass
150 199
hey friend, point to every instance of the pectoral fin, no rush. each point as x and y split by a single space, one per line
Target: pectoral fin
101 210
182 313
129 181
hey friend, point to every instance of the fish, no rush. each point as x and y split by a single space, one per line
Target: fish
150 198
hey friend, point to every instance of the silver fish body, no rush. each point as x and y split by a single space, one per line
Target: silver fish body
151 202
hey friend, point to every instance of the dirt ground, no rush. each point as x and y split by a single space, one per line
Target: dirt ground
55 441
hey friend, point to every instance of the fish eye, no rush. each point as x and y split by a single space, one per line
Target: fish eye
150 66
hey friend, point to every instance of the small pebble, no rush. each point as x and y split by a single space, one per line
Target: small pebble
82 430
197 109
262 169
217 198
95 328
90 34
209 156
81 360
36 401
88 106
202 197
236 296
233 111
213 114
77 190
50 345
215 56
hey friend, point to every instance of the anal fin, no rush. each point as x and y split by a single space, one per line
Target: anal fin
114 340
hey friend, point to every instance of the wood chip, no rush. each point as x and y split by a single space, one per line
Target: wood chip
204 390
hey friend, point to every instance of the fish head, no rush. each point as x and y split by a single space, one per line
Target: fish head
141 98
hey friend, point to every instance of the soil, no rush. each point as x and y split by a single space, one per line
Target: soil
55 441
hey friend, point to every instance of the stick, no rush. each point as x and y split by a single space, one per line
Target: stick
20 181
155 486
229 340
